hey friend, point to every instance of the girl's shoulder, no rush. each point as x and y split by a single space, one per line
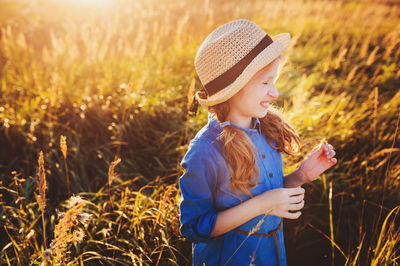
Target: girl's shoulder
209 135
207 141
205 144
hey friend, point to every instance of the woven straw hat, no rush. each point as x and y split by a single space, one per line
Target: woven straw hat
230 56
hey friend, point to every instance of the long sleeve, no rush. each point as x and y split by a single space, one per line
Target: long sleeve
197 212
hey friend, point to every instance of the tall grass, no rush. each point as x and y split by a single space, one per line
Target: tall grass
112 80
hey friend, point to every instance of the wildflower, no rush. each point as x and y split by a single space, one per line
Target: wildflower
47 254
84 217
74 200
77 236
67 224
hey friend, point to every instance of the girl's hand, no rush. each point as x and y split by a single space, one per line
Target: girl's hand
317 161
280 201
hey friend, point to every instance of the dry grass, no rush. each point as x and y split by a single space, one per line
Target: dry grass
114 81
67 230
41 198
64 149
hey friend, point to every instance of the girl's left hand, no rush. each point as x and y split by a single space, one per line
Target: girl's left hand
317 161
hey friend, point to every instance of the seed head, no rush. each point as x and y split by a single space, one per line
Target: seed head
41 198
111 174
63 145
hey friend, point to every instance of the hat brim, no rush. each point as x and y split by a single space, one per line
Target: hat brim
280 43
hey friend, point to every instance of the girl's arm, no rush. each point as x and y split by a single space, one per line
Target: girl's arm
275 202
294 179
231 218
200 220
316 162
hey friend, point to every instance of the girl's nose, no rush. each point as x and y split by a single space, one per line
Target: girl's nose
273 91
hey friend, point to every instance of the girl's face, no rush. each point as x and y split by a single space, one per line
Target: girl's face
254 98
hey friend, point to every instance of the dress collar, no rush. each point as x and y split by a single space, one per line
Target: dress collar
256 124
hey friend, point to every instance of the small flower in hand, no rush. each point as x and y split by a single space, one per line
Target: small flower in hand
317 161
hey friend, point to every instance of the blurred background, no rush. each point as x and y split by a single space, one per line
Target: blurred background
115 79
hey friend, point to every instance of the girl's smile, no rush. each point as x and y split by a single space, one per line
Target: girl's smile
265 104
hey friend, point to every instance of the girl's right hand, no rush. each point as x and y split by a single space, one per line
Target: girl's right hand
280 201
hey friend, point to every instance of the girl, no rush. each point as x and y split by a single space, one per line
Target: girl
234 193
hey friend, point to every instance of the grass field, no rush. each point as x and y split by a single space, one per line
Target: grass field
112 80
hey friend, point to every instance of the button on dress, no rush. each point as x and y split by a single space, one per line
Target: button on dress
206 189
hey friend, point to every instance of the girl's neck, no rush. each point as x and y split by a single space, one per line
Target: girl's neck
244 122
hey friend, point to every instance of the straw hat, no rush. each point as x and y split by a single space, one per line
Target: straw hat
231 55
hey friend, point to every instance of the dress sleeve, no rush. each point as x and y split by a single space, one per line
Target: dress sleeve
197 212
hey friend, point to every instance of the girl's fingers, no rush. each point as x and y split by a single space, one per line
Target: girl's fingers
295 191
319 147
328 146
332 161
316 152
296 199
296 206
329 151
330 154
292 215
316 147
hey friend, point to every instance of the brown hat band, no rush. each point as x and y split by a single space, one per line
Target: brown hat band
229 76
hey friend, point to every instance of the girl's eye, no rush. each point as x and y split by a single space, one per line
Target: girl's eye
266 83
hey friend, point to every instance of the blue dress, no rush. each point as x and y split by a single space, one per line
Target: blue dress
206 190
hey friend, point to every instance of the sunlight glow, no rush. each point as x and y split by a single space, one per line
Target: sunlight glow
88 3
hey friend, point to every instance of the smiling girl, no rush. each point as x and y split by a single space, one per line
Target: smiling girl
234 191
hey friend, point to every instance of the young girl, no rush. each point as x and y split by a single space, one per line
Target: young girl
234 192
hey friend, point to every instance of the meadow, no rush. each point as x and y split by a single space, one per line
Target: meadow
94 122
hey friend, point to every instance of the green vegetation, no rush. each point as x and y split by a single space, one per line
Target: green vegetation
114 80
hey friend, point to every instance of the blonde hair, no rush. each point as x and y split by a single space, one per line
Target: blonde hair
238 149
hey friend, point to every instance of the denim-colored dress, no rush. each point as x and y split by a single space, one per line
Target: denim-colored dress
206 190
